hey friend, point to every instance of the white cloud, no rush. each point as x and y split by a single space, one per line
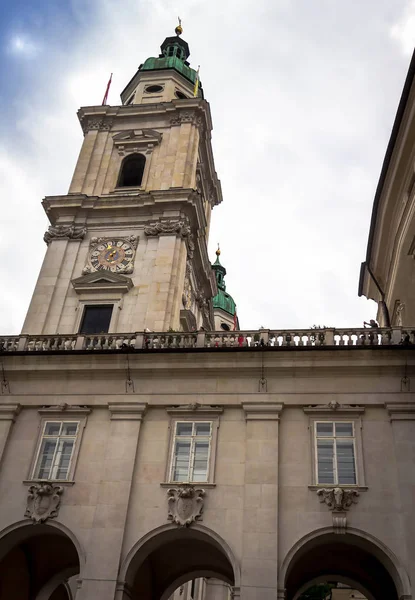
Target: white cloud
404 30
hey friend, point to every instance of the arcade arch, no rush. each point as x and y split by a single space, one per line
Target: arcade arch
169 557
354 558
36 561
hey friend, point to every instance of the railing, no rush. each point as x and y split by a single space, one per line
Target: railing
271 338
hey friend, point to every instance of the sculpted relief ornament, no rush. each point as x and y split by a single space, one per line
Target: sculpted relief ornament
338 500
185 505
178 226
43 501
62 232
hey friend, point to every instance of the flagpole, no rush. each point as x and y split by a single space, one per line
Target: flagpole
104 100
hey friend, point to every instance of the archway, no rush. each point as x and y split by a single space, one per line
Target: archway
355 559
169 557
36 561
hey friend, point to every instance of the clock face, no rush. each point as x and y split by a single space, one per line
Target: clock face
113 255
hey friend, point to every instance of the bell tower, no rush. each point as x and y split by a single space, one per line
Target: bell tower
127 246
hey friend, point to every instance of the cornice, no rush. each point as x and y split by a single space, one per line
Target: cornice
105 117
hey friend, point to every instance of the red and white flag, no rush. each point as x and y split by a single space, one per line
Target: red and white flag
104 101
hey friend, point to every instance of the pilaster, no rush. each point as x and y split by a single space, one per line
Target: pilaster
260 535
106 537
8 414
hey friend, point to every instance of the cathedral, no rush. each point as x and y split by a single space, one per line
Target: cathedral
151 449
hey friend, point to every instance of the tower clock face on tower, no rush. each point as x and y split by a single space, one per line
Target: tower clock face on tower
114 255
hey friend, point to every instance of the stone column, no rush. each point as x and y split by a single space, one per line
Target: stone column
8 414
216 590
260 548
402 417
106 537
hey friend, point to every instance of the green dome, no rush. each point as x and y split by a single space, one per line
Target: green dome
175 52
222 299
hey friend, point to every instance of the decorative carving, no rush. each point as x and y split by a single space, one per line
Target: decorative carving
43 501
187 296
69 232
333 405
190 246
179 227
338 499
339 522
96 124
185 505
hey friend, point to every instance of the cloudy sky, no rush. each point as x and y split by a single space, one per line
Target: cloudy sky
303 96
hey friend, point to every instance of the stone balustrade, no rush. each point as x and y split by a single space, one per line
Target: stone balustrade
270 338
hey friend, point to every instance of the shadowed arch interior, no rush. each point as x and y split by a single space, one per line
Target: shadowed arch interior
173 555
132 170
346 556
32 556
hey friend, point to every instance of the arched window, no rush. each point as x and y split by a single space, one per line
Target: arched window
132 171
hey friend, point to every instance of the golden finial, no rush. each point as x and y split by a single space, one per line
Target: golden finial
179 28
218 251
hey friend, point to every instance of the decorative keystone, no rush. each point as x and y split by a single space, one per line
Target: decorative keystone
43 501
185 505
338 499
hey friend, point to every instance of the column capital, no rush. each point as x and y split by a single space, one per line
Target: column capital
9 412
262 412
127 411
402 411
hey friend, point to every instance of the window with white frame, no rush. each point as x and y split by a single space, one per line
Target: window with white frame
191 451
56 450
335 452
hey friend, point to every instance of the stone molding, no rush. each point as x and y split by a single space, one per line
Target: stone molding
43 501
9 412
262 412
404 411
179 227
64 232
139 140
127 412
102 281
190 409
337 498
61 409
185 504
333 406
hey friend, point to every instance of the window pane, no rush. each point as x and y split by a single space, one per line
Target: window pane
202 428
96 319
344 429
46 453
52 428
345 463
184 429
200 465
181 461
62 459
325 461
69 428
324 429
